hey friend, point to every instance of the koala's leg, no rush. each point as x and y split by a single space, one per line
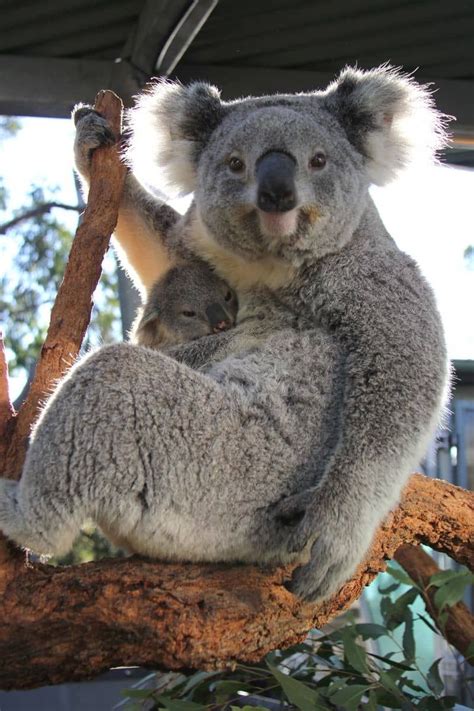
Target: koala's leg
144 222
129 437
36 523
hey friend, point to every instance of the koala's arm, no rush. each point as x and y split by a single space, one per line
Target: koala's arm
144 222
202 352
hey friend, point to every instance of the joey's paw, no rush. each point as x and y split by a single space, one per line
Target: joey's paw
92 131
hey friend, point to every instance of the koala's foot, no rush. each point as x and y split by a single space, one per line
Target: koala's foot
337 543
36 526
92 131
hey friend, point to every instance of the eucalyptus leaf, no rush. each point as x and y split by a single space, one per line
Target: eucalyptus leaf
408 642
368 630
401 576
433 678
349 697
355 655
299 694
453 591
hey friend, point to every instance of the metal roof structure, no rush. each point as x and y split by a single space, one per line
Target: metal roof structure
55 53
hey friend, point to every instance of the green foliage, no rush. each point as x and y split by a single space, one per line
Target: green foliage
336 670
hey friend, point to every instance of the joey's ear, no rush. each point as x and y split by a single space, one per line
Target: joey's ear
388 117
170 125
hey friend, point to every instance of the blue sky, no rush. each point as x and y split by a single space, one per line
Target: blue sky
428 211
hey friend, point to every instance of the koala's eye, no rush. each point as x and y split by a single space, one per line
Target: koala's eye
235 164
189 314
318 161
228 296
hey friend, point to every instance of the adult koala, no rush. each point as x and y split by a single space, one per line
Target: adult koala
295 437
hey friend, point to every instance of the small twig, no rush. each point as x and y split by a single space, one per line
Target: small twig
459 627
36 212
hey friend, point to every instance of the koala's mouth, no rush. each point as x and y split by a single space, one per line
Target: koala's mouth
278 225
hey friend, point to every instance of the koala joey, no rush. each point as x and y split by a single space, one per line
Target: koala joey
295 436
190 301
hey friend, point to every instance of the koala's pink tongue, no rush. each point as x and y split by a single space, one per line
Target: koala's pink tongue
278 224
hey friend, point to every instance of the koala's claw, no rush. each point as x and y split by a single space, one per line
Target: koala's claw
92 131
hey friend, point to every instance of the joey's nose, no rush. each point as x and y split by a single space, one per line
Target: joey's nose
219 320
276 190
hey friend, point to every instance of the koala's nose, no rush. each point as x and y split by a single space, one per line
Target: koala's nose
275 175
219 320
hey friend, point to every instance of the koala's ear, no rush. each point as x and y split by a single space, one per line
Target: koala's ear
170 125
388 117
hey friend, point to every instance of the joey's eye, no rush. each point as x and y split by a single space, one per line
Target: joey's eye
235 164
318 161
228 296
189 314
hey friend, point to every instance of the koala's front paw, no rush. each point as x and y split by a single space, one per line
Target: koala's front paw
335 555
92 131
333 536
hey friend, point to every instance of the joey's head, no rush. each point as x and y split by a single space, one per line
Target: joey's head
188 302
286 175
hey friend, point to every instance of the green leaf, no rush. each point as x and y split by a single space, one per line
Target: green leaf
401 576
298 693
408 641
433 678
248 708
225 690
396 614
452 592
137 693
429 624
392 662
198 678
367 630
179 704
386 590
371 704
349 697
447 576
355 655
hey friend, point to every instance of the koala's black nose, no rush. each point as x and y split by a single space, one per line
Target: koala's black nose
219 320
275 175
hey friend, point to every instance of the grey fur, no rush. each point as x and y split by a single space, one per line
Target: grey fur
296 435
189 302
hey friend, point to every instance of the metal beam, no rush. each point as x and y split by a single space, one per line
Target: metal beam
34 86
183 35
156 22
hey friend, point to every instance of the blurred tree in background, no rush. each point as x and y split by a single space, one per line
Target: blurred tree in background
38 243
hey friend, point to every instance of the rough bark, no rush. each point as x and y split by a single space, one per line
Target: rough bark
70 315
60 624
459 626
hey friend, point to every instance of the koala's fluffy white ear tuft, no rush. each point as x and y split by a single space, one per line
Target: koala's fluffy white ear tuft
169 126
389 117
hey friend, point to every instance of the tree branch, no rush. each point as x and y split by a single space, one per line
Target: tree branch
71 312
36 212
7 411
459 627
73 623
